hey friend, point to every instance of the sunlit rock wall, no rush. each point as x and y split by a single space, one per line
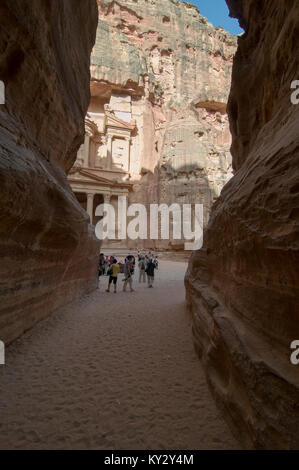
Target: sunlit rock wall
242 288
177 68
48 249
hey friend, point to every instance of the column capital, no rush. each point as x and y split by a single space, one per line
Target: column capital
120 194
90 196
107 198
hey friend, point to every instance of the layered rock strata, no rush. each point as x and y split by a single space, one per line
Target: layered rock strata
242 287
48 249
163 68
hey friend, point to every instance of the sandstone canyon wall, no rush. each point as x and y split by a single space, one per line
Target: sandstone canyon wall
48 249
242 287
161 66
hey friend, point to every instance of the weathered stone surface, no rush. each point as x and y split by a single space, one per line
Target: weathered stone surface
173 69
185 57
48 248
242 288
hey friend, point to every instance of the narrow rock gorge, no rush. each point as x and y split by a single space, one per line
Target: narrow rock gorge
242 287
131 98
157 128
48 249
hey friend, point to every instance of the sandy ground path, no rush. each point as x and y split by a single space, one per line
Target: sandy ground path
111 372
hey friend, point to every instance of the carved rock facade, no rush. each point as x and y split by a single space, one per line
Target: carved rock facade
164 73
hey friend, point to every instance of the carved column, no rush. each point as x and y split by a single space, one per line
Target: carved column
122 208
109 151
90 198
128 140
107 198
86 151
111 224
92 152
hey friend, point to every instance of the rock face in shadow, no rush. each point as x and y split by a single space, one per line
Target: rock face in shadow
242 288
48 249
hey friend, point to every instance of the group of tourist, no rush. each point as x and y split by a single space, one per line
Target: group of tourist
109 266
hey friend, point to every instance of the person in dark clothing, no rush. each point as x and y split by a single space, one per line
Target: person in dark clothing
128 272
101 264
150 271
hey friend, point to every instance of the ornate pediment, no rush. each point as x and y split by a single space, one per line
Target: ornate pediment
87 176
113 121
91 127
84 178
